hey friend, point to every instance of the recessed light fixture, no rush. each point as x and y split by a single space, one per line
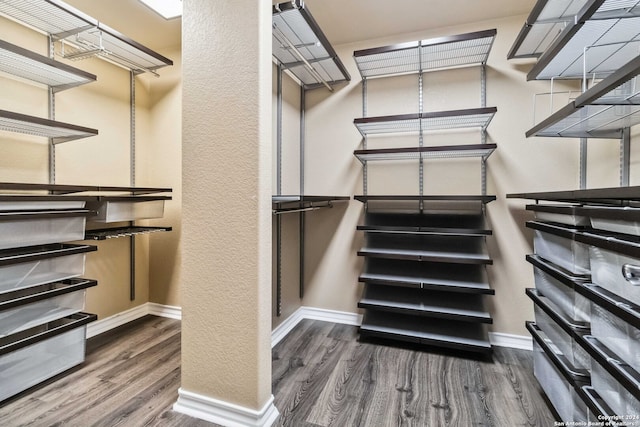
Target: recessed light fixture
168 9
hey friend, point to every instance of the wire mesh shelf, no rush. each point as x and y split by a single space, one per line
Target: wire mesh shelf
301 47
85 33
114 233
433 121
602 111
299 203
57 131
433 152
426 55
31 66
545 22
603 38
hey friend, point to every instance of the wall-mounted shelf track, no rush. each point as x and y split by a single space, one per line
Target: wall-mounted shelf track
432 121
28 65
83 36
426 152
603 111
301 47
597 41
58 131
426 55
545 22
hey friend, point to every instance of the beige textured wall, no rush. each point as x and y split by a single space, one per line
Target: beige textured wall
161 163
99 160
518 165
226 270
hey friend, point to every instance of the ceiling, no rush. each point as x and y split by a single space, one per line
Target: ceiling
341 21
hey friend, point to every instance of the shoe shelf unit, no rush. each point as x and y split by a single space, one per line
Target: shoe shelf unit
300 48
586 240
425 255
42 294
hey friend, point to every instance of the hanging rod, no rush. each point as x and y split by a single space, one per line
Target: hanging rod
297 53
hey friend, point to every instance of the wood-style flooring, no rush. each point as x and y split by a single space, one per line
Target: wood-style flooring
322 376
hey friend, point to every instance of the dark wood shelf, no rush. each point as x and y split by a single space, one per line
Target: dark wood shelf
418 302
430 152
459 278
465 336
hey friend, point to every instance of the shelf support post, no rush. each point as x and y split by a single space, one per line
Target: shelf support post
583 163
278 265
279 131
625 156
421 133
132 178
302 214
52 116
365 166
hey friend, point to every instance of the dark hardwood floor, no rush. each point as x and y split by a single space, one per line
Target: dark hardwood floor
322 376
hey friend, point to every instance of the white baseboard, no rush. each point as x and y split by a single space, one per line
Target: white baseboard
170 311
103 325
498 339
520 342
224 413
312 313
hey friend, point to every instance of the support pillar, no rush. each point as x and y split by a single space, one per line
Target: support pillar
226 214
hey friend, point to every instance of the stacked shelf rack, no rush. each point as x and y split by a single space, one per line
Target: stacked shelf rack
300 48
425 255
43 331
586 240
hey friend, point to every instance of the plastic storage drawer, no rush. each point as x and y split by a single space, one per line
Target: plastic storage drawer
34 355
558 245
32 266
39 228
35 306
616 324
562 214
560 331
561 287
621 401
559 382
618 219
616 272
131 210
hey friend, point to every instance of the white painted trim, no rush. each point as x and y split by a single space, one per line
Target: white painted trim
313 313
343 317
169 311
283 329
224 413
498 339
103 325
520 342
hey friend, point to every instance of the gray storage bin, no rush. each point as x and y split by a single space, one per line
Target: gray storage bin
619 399
561 214
618 273
565 343
560 392
119 211
617 335
18 233
27 274
560 288
566 253
37 313
47 354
